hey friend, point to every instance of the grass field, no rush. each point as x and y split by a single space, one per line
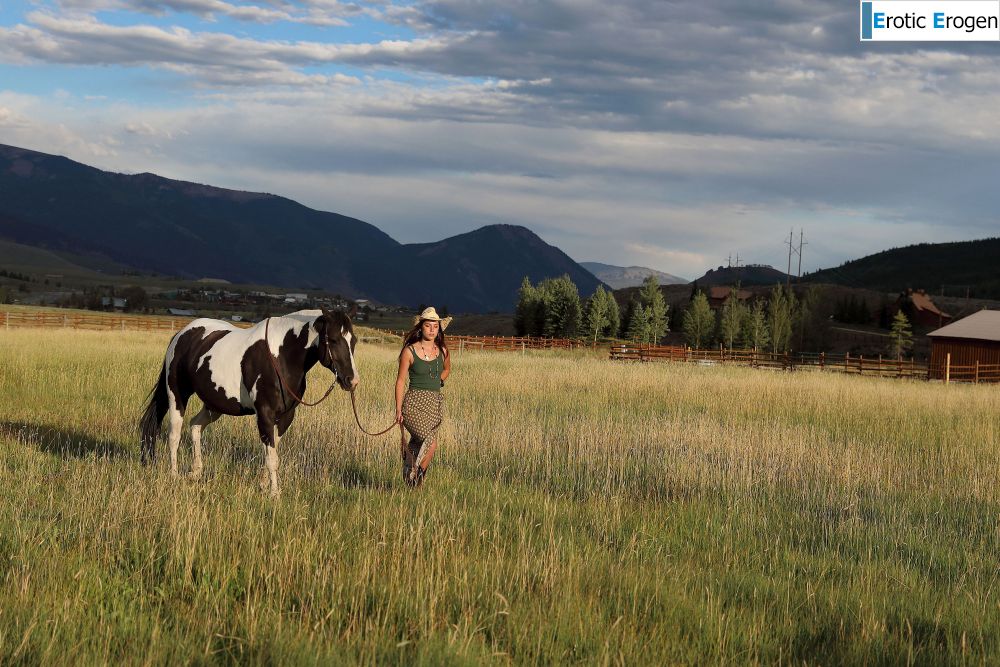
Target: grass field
578 511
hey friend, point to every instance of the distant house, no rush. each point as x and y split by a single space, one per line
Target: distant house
972 339
719 294
921 311
295 298
180 312
114 302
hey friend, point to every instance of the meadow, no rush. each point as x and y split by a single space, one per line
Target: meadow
578 511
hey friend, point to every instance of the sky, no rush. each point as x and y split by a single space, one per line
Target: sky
664 134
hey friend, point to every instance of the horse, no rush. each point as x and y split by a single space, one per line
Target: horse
235 372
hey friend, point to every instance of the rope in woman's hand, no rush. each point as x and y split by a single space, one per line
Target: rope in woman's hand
357 419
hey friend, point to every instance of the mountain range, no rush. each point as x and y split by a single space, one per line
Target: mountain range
629 276
151 223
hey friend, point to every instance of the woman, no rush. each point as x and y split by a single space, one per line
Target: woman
424 360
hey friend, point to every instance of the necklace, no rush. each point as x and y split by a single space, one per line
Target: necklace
427 357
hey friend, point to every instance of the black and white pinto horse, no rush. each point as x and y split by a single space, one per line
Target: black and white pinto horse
232 371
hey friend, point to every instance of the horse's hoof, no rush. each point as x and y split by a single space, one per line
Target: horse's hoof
265 481
275 493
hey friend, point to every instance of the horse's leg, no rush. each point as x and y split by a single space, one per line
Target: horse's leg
176 404
269 437
200 421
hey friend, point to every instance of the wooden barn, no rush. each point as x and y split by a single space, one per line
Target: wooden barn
719 294
921 311
973 343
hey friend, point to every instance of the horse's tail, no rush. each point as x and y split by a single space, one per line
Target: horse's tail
152 417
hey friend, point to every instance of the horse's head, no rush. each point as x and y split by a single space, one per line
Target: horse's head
336 347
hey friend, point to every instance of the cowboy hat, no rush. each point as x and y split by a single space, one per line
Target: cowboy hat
431 314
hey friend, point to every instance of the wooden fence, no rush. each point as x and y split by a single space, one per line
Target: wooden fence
118 322
503 343
94 322
845 363
512 343
842 363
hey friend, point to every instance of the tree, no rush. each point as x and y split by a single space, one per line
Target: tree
601 315
780 312
526 312
812 321
136 298
732 319
651 297
756 334
596 313
614 316
699 322
901 335
638 324
561 307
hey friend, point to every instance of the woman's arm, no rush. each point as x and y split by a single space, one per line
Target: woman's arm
404 367
447 366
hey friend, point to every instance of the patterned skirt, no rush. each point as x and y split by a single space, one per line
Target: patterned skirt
423 413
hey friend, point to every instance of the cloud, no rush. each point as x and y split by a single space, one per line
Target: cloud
327 15
629 132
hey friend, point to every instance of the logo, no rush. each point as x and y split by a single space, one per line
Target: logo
930 20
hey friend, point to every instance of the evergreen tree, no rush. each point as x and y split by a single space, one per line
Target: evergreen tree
901 335
699 322
638 326
651 298
561 307
733 318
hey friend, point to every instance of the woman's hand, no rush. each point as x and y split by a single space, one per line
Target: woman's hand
399 416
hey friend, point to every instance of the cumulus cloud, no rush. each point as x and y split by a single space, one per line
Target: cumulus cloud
630 132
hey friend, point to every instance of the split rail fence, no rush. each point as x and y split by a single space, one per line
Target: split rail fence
114 322
842 363
94 322
504 343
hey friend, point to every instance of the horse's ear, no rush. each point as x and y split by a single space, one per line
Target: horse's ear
323 320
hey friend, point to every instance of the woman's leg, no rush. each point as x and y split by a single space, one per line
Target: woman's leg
429 454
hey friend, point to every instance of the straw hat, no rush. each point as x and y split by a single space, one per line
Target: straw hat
431 314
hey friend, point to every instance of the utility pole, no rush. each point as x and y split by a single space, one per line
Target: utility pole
801 243
791 245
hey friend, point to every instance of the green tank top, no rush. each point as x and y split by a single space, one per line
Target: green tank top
426 374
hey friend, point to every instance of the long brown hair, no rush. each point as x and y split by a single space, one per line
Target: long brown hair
414 335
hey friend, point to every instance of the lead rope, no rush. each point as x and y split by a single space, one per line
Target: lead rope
354 406
284 384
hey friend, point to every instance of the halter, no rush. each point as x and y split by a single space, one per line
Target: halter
288 389
284 384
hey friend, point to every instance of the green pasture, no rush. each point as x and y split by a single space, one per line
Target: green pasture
578 511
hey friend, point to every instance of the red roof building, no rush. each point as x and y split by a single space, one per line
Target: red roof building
970 341
719 294
921 311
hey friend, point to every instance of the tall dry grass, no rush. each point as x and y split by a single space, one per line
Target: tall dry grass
577 511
